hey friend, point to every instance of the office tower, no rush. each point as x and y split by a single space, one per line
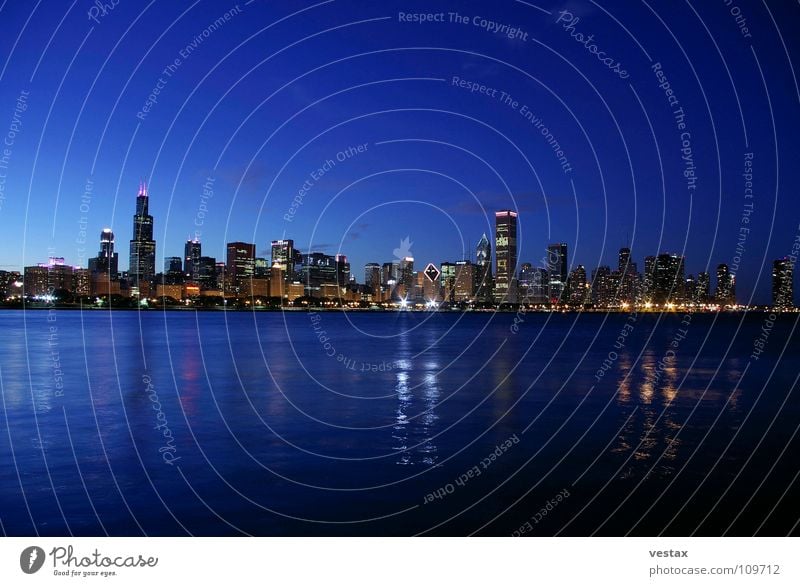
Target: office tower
578 291
406 274
284 256
702 288
240 265
624 259
220 274
505 247
603 291
557 271
783 283
142 260
627 277
690 287
484 285
173 264
648 285
191 259
448 281
318 270
389 273
539 287
207 274
524 281
464 282
372 277
668 279
726 286
106 261
261 268
342 270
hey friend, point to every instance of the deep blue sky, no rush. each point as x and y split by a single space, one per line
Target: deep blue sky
241 108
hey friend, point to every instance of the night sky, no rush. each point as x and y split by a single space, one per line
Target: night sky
254 105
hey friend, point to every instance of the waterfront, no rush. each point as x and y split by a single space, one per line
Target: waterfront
328 423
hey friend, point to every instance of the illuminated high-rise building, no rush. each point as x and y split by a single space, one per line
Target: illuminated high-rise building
557 271
783 283
448 281
702 291
142 259
505 247
484 285
342 270
106 261
579 292
464 281
668 279
372 276
285 257
241 260
191 259
726 286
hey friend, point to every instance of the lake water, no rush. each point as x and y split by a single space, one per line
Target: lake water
230 423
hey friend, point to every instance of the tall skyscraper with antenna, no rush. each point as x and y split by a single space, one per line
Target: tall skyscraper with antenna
142 265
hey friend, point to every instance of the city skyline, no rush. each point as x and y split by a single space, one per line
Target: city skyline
556 281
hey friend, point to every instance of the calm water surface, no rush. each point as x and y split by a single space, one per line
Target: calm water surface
213 423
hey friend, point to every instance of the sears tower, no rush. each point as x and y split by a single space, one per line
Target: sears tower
142 267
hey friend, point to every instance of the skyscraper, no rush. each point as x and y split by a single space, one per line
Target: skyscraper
372 277
191 259
668 279
505 247
448 281
106 261
702 288
578 292
783 283
483 272
465 281
241 260
173 265
557 270
628 277
726 286
284 257
342 270
603 290
142 260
